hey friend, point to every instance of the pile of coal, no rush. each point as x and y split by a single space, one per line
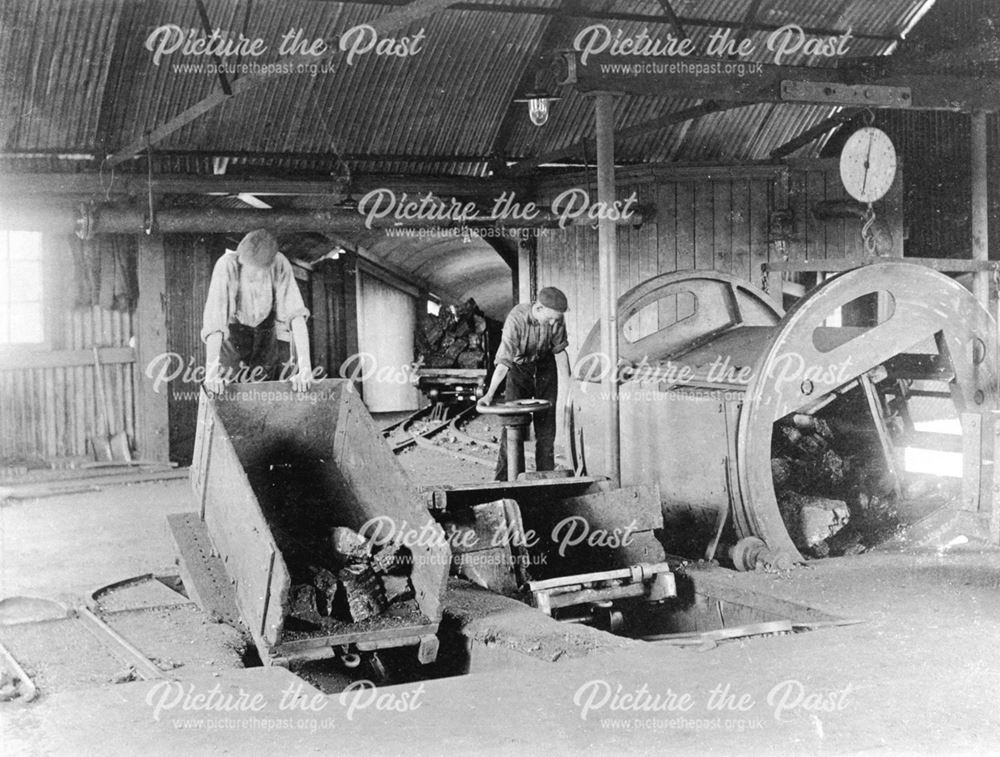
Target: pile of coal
832 485
455 338
361 581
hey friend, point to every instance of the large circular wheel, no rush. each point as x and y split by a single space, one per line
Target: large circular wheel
806 361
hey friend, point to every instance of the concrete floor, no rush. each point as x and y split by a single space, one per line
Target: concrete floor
920 675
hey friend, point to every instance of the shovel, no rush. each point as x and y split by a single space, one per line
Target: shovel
107 448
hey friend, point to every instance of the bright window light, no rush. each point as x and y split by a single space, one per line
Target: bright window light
21 305
933 461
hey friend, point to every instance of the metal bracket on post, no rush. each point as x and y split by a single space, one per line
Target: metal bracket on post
846 94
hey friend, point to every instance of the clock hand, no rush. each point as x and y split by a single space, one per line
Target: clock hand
868 157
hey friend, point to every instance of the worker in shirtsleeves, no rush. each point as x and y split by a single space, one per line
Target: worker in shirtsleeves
253 310
532 358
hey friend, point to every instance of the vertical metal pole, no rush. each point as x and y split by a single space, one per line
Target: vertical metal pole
980 207
525 269
607 245
515 449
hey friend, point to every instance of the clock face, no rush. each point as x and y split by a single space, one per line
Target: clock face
868 164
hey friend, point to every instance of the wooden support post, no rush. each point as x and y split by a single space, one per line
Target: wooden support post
977 463
527 268
151 422
607 245
987 451
980 207
349 310
972 445
995 493
320 320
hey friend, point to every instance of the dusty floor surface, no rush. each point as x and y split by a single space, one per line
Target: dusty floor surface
918 676
479 439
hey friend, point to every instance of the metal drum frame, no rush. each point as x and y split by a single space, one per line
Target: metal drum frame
798 361
927 306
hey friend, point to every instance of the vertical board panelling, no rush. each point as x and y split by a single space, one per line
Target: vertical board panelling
48 384
759 206
798 203
686 259
59 409
723 224
853 245
648 255
49 412
6 420
20 445
704 225
189 260
740 227
624 255
78 417
6 436
816 229
835 226
685 226
666 235
637 248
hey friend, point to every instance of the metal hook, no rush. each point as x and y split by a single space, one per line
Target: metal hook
869 117
866 231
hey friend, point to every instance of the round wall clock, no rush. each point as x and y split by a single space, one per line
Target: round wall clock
868 164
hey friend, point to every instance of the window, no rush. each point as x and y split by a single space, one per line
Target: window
21 307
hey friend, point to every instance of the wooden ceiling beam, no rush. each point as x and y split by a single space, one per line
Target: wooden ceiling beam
206 26
709 78
85 184
814 133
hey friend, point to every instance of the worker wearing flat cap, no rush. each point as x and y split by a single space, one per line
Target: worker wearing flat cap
532 357
254 309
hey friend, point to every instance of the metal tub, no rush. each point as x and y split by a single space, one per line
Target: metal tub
270 462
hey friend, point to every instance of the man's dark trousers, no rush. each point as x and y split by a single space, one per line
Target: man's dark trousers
536 380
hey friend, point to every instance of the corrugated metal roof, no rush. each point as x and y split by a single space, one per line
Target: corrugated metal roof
77 77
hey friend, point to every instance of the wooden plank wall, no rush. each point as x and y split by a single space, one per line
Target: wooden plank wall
48 400
704 219
189 262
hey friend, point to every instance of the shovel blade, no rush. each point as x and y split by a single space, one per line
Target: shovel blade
119 448
102 449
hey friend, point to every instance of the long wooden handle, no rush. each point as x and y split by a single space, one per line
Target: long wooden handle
101 394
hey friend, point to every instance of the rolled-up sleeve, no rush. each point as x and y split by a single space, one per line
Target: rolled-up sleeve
288 302
215 317
510 341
